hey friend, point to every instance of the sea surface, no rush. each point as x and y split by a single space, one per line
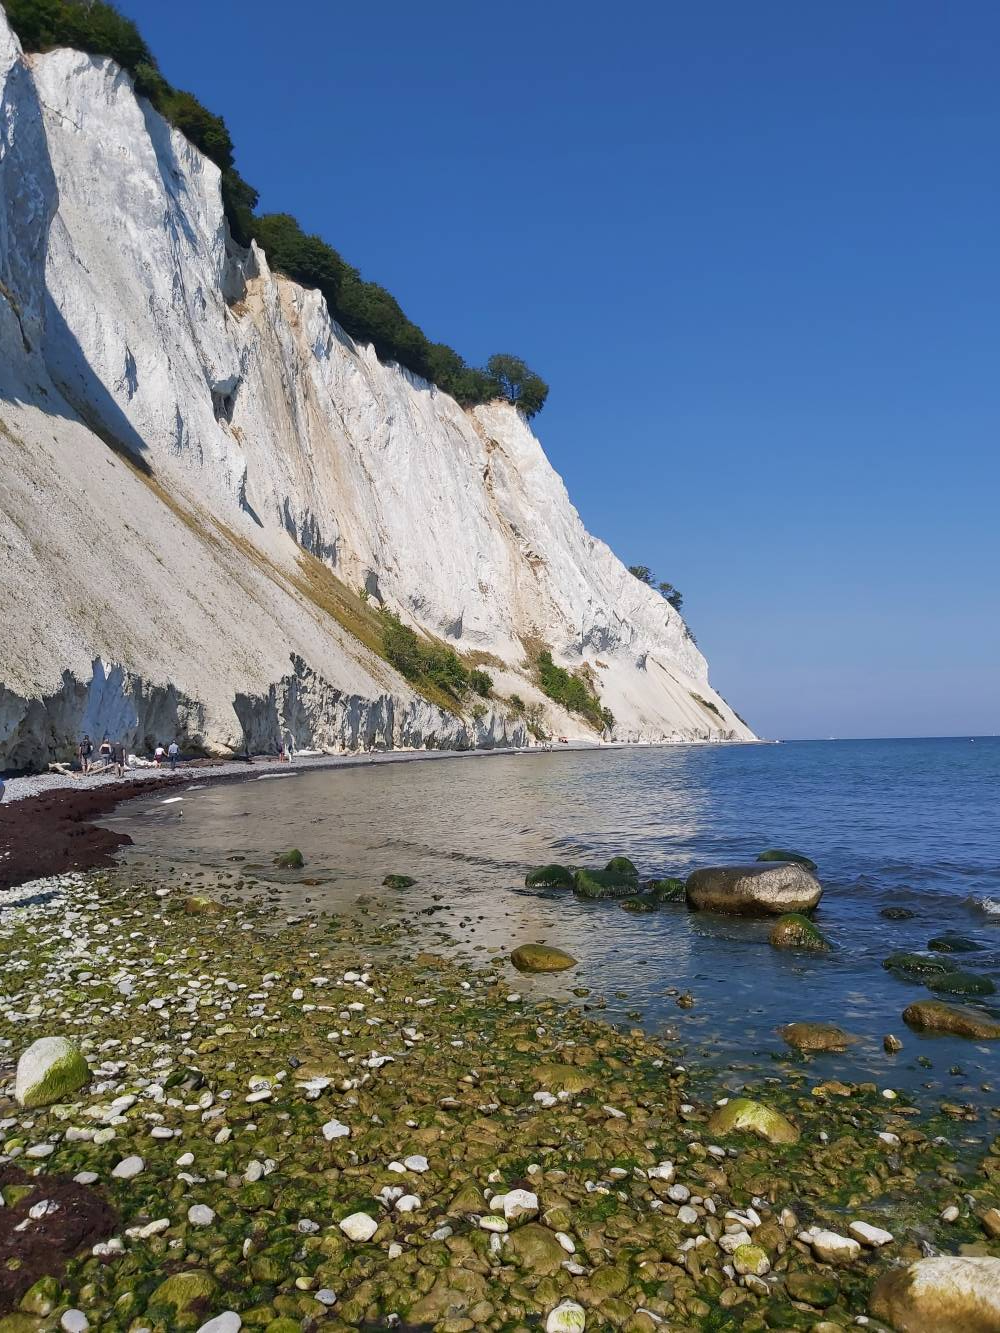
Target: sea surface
898 823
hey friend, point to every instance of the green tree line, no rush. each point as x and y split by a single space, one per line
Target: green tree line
364 309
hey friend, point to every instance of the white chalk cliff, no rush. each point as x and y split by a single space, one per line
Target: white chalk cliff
188 443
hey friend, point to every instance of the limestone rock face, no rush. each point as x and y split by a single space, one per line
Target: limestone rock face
215 453
942 1295
761 889
50 1070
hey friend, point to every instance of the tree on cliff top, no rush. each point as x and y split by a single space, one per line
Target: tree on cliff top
517 383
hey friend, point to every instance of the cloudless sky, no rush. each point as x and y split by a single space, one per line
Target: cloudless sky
754 250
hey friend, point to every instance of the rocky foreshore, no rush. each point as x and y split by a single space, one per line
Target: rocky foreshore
302 1124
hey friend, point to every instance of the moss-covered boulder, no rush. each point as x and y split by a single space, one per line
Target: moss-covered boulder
794 931
741 1115
949 942
549 877
961 983
918 965
760 889
666 890
398 882
785 854
946 1294
563 1078
598 884
816 1036
956 1020
290 860
621 865
182 1297
541 958
49 1071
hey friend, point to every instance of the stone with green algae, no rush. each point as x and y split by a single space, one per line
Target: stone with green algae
743 1115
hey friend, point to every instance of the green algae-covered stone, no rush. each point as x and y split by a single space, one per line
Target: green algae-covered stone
549 877
623 867
398 882
818 1289
794 931
198 905
184 1294
290 860
41 1298
961 983
667 890
639 904
784 854
918 964
535 1248
49 1071
598 884
952 943
541 958
741 1115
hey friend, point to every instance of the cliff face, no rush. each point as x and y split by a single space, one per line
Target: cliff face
192 454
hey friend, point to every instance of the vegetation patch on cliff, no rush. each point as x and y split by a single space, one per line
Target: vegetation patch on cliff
573 692
364 309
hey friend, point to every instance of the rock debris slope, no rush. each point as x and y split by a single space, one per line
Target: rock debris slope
200 471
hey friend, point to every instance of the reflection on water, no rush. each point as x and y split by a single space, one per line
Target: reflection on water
891 823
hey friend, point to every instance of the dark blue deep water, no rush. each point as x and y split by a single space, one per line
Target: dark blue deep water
901 823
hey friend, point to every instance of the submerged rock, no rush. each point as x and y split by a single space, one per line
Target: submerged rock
783 854
897 913
760 889
940 1295
955 1019
49 1071
398 882
795 931
961 983
741 1115
640 903
290 860
949 942
918 964
541 958
816 1036
549 877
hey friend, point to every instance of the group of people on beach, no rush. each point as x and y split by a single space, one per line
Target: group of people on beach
114 754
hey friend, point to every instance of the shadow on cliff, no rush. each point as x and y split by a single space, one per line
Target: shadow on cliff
29 197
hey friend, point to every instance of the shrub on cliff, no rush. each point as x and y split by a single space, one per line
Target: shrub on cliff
572 692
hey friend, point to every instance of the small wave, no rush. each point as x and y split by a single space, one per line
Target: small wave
991 906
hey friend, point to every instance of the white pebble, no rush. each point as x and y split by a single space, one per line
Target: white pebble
869 1235
409 1203
200 1215
227 1322
129 1167
493 1223
74 1321
416 1163
359 1226
334 1129
566 1318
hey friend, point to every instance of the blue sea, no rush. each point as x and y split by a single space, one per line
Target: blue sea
895 823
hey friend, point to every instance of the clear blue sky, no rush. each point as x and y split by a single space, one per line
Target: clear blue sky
754 250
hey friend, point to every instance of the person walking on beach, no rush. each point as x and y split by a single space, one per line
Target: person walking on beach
106 752
120 759
159 754
173 751
84 750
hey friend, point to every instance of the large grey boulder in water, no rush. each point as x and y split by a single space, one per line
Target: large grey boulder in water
765 888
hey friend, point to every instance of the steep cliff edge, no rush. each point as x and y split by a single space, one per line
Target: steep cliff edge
200 472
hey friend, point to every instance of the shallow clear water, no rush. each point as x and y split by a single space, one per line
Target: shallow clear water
891 823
